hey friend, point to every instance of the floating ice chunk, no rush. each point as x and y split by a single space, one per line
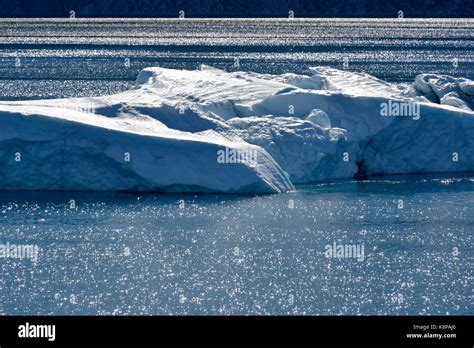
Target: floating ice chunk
168 132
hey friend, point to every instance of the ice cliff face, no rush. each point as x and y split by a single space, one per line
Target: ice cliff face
213 131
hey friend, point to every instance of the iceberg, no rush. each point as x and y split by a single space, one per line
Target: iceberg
209 130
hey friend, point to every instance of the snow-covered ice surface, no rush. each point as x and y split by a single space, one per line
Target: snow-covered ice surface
166 133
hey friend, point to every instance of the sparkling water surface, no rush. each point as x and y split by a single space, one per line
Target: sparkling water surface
124 253
88 57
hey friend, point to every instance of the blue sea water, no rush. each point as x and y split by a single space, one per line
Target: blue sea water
124 253
51 58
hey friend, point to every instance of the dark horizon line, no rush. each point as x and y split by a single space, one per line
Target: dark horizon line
225 17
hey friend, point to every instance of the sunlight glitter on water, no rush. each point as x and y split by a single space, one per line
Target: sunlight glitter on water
216 254
84 56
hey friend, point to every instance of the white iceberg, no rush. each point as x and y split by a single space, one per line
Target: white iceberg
214 131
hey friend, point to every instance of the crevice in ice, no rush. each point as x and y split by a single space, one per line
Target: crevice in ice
361 171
